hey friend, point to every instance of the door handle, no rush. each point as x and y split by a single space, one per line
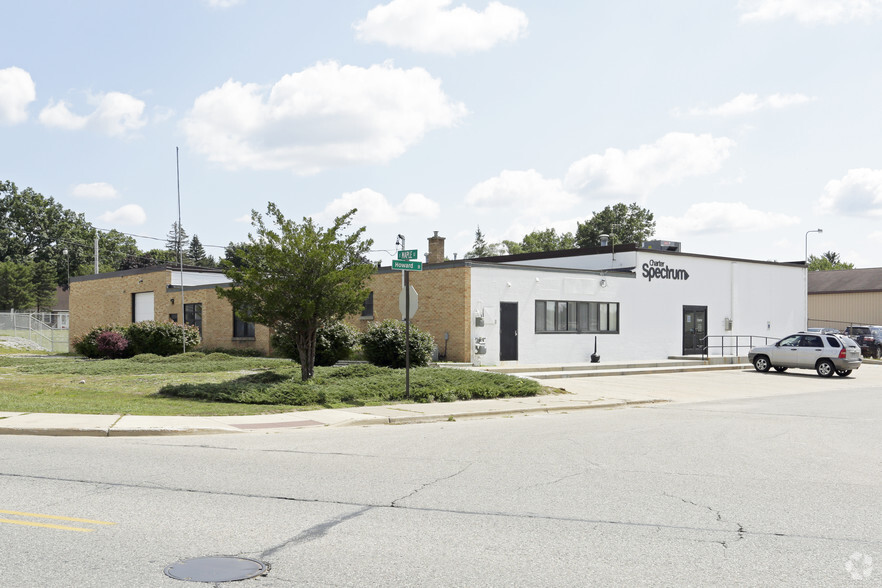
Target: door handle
516 332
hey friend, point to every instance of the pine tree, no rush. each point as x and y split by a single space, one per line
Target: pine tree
196 252
177 241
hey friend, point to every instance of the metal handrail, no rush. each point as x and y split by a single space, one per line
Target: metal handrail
737 345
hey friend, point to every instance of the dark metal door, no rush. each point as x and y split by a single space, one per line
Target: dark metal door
508 331
694 329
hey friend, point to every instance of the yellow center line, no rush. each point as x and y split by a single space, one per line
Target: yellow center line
42 516
30 524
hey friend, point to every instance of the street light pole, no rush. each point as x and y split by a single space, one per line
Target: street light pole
806 271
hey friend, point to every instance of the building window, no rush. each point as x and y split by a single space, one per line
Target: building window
193 315
242 329
570 316
368 310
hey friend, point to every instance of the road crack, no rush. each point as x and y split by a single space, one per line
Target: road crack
395 502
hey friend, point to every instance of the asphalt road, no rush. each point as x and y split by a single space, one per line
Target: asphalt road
767 491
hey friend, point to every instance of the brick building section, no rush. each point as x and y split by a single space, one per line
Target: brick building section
444 305
106 299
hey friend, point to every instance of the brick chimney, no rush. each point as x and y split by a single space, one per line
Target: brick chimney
436 249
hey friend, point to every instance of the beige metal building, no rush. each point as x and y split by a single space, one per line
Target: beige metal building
839 298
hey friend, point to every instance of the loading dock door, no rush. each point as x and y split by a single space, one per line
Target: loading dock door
142 307
508 331
694 329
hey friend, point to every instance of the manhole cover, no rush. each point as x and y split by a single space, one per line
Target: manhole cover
216 569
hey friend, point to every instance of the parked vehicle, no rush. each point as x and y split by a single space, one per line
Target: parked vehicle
826 354
869 338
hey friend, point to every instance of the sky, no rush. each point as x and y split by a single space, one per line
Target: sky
740 124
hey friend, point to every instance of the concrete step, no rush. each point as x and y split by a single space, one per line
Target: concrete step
673 365
632 371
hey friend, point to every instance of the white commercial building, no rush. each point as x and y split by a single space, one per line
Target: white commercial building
638 303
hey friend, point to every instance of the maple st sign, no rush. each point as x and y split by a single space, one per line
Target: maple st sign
658 270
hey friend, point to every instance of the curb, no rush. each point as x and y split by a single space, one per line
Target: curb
374 420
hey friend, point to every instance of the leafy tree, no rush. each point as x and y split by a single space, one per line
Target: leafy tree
296 278
176 241
481 248
623 223
43 284
539 241
15 285
828 261
233 254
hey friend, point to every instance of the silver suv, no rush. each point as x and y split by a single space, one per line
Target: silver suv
828 354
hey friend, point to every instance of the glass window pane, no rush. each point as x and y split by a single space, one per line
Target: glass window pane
592 317
540 316
614 317
572 317
549 316
561 322
602 310
583 317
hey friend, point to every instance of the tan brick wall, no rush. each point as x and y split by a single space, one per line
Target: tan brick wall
444 305
108 301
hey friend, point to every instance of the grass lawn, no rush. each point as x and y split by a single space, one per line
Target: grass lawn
218 384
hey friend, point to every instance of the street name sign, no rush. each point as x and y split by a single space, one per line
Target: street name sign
410 266
406 254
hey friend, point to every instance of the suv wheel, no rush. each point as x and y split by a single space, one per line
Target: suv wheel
761 363
825 368
843 373
877 352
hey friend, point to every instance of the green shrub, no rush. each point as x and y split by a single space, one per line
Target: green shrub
384 344
236 351
88 344
333 342
161 338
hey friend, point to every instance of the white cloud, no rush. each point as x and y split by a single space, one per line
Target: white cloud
115 114
431 26
245 218
17 90
526 193
375 209
810 11
748 103
130 214
858 193
96 190
58 115
327 115
721 217
671 159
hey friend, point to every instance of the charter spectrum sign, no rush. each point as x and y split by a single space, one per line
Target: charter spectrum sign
657 270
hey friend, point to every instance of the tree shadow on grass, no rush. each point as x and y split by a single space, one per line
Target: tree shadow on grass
260 388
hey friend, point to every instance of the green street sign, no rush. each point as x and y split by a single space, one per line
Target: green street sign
410 266
406 254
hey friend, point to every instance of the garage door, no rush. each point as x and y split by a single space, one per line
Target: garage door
142 307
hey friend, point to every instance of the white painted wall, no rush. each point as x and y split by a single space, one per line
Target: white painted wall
761 299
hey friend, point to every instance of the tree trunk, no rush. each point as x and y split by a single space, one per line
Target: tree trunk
306 349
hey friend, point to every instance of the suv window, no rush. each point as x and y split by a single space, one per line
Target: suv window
833 342
791 341
858 330
811 341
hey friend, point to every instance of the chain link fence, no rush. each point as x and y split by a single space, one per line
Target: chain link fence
48 330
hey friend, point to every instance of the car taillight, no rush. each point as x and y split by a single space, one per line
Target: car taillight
842 353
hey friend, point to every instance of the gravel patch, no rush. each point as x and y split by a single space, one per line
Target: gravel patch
20 343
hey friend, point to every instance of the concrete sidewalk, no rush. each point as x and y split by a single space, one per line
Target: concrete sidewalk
582 393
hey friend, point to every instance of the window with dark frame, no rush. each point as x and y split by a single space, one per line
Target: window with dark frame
242 329
572 316
368 310
193 315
